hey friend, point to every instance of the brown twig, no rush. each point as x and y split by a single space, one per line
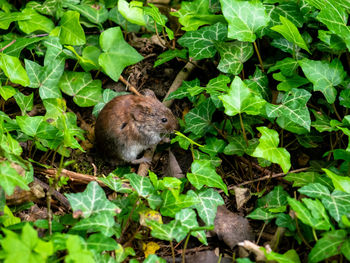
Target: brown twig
128 85
9 44
269 177
78 177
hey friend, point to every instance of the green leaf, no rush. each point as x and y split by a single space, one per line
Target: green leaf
241 99
26 247
288 83
337 204
7 18
302 213
237 145
213 146
141 184
173 202
170 231
286 9
198 120
71 32
287 66
116 17
276 199
24 102
96 13
100 243
322 122
314 190
35 22
341 183
182 91
201 43
13 69
118 54
268 149
291 33
86 92
48 7
292 109
89 59
197 13
16 48
207 205
258 83
132 12
102 222
245 18
77 251
188 219
158 18
334 17
92 201
7 92
203 173
10 178
116 184
327 246
169 55
344 98
324 75
233 55
261 214
291 256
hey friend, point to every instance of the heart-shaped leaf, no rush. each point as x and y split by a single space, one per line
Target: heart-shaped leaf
35 22
71 32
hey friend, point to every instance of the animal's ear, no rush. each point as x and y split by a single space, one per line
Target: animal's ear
140 111
148 93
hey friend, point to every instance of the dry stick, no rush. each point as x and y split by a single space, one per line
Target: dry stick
9 44
182 75
270 177
131 87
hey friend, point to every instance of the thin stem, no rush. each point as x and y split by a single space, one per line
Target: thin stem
336 112
185 246
243 129
314 233
259 57
172 250
262 230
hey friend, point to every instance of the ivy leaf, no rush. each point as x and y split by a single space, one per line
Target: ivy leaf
173 202
236 145
25 103
334 17
35 22
92 201
341 183
258 83
118 54
86 92
268 149
206 208
71 32
49 7
337 204
188 219
261 214
213 146
314 190
289 83
115 16
169 55
276 199
327 246
170 231
30 247
292 109
132 12
291 33
10 178
324 75
14 70
100 243
182 92
233 55
287 67
7 18
101 222
245 18
344 98
203 173
16 48
7 92
96 13
289 10
304 178
198 120
241 99
332 42
159 18
197 13
141 184
286 46
201 43
89 59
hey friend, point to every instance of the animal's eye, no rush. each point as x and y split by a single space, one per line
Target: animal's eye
164 120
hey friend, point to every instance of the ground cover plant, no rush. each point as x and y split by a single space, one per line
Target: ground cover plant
261 160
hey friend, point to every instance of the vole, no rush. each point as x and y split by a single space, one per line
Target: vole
129 124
